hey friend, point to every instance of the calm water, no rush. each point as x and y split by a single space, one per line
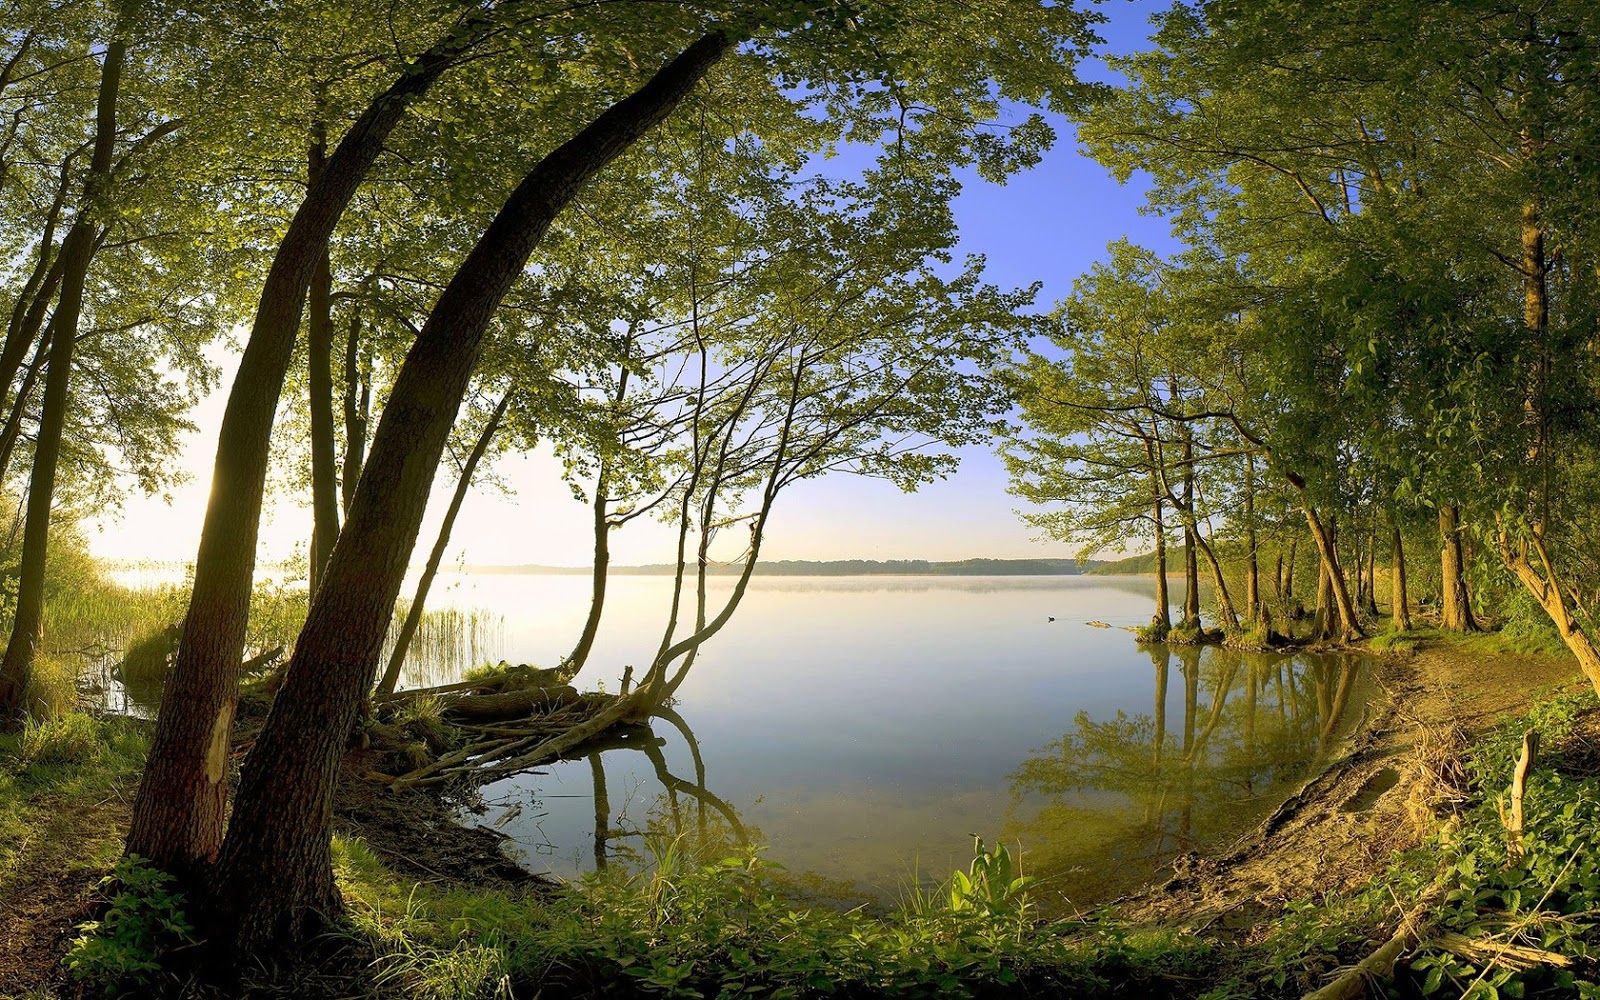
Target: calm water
866 727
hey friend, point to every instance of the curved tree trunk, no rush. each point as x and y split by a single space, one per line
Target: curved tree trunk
77 253
597 579
408 629
274 877
1230 617
1455 601
1349 625
357 407
178 814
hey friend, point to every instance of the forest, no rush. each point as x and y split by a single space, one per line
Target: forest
706 253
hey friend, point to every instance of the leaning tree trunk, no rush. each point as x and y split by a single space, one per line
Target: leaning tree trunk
1349 625
274 877
178 814
77 252
1230 617
1400 613
408 629
1455 601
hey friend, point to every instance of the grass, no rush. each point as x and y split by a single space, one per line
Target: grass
712 924
56 780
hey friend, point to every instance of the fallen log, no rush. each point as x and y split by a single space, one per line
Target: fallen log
507 705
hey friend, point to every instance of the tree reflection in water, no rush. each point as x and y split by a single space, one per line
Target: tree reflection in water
665 815
1113 801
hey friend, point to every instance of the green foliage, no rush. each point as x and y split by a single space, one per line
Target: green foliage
994 886
144 921
706 925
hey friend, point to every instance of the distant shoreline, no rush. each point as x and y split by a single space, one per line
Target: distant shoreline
828 567
780 567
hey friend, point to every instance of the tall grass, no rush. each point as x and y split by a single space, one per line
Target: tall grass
447 644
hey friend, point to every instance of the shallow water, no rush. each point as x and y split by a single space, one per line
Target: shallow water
866 727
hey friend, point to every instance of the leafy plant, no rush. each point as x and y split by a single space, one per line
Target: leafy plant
994 885
144 921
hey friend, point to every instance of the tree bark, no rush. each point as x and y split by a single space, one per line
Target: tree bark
1191 566
319 383
178 814
1349 625
598 576
357 408
77 253
1230 617
1455 601
274 873
1400 611
1163 616
1252 572
408 629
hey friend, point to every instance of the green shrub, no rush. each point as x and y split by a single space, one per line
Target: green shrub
143 922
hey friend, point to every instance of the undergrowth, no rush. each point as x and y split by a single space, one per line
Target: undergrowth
696 925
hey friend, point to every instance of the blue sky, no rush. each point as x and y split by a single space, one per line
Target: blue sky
1049 225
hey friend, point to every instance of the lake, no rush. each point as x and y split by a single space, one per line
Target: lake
865 728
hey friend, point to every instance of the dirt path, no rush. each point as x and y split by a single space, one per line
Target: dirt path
1375 798
51 889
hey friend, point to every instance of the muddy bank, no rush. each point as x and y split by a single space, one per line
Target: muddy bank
1379 794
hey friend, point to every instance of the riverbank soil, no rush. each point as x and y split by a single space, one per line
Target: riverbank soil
1387 787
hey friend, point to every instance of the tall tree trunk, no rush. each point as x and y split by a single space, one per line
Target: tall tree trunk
1400 611
1288 578
77 252
357 409
601 568
1455 601
1372 574
275 876
178 814
1252 571
1322 618
319 382
1191 565
408 629
598 576
1163 616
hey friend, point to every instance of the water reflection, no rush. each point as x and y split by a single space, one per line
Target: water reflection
1113 801
674 806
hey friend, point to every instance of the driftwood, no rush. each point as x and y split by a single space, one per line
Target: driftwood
1489 953
509 704
1354 981
1512 817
